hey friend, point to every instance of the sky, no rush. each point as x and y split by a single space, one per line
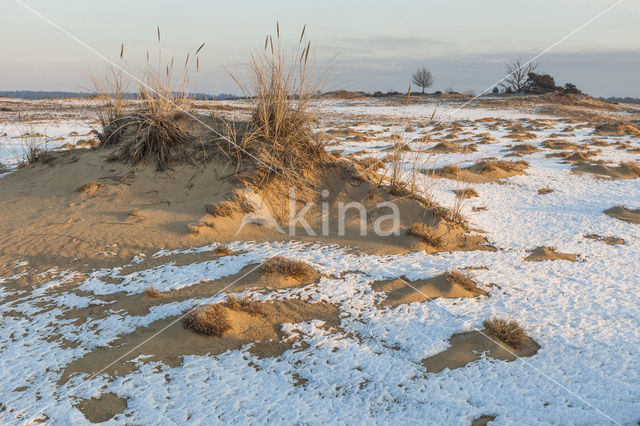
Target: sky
368 45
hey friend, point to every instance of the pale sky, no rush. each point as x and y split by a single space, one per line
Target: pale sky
374 45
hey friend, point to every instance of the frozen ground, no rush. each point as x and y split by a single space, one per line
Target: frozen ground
585 315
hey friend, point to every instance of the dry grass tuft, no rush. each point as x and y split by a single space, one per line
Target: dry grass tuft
546 190
467 192
426 234
633 167
153 292
463 279
223 250
450 169
245 304
489 166
509 332
279 138
287 268
370 163
210 320
237 204
223 209
91 188
148 129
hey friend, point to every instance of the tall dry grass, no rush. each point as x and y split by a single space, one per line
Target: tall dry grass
279 138
147 128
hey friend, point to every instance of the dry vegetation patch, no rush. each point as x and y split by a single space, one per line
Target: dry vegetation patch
619 128
483 171
542 253
288 268
546 190
507 331
467 192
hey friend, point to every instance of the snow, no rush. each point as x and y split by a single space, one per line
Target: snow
583 314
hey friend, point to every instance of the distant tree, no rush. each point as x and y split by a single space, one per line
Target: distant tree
571 89
422 78
517 74
540 83
496 90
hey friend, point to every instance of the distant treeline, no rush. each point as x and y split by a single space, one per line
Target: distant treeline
35 94
626 100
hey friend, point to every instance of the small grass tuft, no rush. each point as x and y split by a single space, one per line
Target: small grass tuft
426 234
463 279
287 268
245 304
467 192
153 292
545 190
509 332
210 320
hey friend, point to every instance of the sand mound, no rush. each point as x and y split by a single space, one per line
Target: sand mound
453 147
622 171
262 329
623 213
471 346
561 144
619 128
524 148
102 408
124 211
483 171
549 253
402 290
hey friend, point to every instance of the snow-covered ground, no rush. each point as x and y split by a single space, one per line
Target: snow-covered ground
585 315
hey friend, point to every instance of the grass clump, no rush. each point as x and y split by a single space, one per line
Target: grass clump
210 320
426 234
509 332
153 292
463 279
633 167
546 190
287 268
467 192
147 129
279 138
237 204
213 319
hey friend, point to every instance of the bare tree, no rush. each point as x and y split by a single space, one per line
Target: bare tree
422 78
517 75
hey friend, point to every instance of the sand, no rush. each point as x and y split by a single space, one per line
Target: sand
469 347
262 330
400 291
540 254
